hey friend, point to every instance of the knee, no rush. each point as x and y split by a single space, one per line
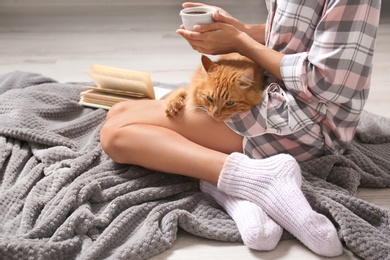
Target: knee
110 134
108 139
116 143
113 140
118 108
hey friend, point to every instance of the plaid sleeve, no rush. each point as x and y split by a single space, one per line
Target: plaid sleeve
338 64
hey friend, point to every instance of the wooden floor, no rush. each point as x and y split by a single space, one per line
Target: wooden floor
61 39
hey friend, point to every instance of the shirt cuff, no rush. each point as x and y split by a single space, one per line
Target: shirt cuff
294 74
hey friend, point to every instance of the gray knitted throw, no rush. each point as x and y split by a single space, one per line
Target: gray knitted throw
61 197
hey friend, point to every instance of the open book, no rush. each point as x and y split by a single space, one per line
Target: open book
114 85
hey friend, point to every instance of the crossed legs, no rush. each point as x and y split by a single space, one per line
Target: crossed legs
195 145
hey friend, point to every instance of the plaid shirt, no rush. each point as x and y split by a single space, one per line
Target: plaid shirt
329 47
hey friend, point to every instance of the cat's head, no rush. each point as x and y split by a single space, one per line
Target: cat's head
226 87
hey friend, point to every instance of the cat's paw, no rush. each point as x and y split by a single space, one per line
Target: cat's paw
175 102
173 106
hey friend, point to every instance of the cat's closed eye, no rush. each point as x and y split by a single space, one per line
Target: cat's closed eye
209 99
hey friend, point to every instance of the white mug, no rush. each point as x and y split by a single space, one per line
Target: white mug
196 15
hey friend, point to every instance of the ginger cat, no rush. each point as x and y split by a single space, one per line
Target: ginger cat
229 86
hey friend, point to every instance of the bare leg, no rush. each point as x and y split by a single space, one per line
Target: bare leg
194 145
191 144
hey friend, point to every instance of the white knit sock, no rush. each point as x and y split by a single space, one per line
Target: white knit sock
274 184
257 230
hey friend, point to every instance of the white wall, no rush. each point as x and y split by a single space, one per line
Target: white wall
113 2
86 2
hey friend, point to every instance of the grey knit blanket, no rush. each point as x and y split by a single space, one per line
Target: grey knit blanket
61 197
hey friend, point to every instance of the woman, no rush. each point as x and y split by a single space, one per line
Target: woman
318 58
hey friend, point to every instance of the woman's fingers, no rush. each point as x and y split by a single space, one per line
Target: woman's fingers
210 42
191 4
193 38
224 17
189 35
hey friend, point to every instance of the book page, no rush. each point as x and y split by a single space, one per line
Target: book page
122 79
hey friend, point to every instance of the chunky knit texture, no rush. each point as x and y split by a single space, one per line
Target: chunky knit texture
61 197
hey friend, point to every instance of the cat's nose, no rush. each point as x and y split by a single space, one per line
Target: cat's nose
217 116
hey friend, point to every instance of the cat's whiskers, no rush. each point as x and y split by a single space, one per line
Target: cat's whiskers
201 108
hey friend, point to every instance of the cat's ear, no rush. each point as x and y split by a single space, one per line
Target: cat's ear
207 63
247 78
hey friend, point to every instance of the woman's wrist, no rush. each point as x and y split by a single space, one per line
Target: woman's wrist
265 57
255 31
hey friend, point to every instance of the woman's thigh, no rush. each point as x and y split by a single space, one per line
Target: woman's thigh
195 126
